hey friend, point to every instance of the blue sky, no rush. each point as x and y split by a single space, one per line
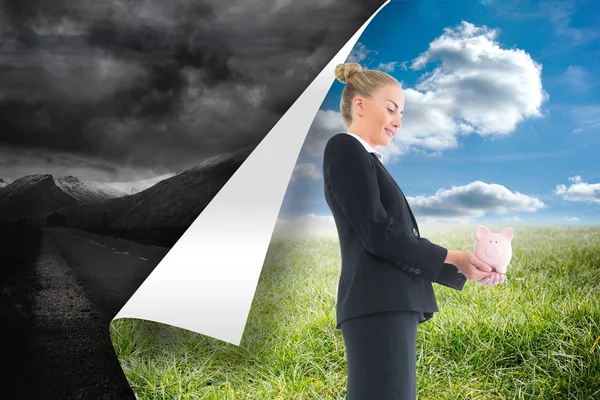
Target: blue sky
502 113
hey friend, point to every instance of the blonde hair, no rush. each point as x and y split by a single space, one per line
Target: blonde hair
358 82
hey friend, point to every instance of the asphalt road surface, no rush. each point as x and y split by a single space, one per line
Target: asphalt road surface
110 269
85 280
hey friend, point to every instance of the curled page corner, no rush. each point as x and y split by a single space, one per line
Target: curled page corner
206 282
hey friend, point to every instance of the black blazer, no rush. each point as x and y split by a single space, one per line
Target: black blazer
386 265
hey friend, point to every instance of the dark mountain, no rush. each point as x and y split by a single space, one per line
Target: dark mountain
161 213
39 194
31 195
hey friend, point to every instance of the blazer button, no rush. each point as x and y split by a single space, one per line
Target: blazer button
417 271
415 231
398 264
411 269
404 267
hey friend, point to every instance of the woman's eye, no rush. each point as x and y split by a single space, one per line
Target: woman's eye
392 111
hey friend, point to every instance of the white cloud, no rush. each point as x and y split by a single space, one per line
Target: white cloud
579 191
359 53
559 14
387 67
479 88
576 79
474 200
586 117
306 171
572 218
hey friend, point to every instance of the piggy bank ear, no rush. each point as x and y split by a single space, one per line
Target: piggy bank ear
481 231
507 233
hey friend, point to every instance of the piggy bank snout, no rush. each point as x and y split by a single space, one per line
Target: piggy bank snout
493 251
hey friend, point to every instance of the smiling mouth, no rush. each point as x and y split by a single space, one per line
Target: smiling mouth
390 133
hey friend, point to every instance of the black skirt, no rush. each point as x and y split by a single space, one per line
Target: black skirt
381 355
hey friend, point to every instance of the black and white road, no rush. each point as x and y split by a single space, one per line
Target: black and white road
84 280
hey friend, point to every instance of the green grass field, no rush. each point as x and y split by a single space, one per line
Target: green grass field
536 337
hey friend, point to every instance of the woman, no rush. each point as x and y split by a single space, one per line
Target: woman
385 287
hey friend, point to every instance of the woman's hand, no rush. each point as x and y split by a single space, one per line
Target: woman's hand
491 280
472 267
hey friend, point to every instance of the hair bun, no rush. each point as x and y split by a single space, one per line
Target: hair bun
344 72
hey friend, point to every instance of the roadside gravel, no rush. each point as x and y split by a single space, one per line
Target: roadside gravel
71 355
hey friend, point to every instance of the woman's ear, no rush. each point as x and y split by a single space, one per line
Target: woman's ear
358 106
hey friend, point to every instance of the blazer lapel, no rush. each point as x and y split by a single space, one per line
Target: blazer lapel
395 183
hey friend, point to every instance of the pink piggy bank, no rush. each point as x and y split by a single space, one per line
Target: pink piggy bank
494 248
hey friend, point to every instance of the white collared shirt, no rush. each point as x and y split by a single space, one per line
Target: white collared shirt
367 146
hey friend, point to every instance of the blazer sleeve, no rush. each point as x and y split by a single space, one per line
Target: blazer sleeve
353 180
450 276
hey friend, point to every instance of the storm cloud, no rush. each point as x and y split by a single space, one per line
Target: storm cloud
153 86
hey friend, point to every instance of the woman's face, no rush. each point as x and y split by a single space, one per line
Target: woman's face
382 114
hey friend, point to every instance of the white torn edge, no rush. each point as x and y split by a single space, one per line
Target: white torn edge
206 282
